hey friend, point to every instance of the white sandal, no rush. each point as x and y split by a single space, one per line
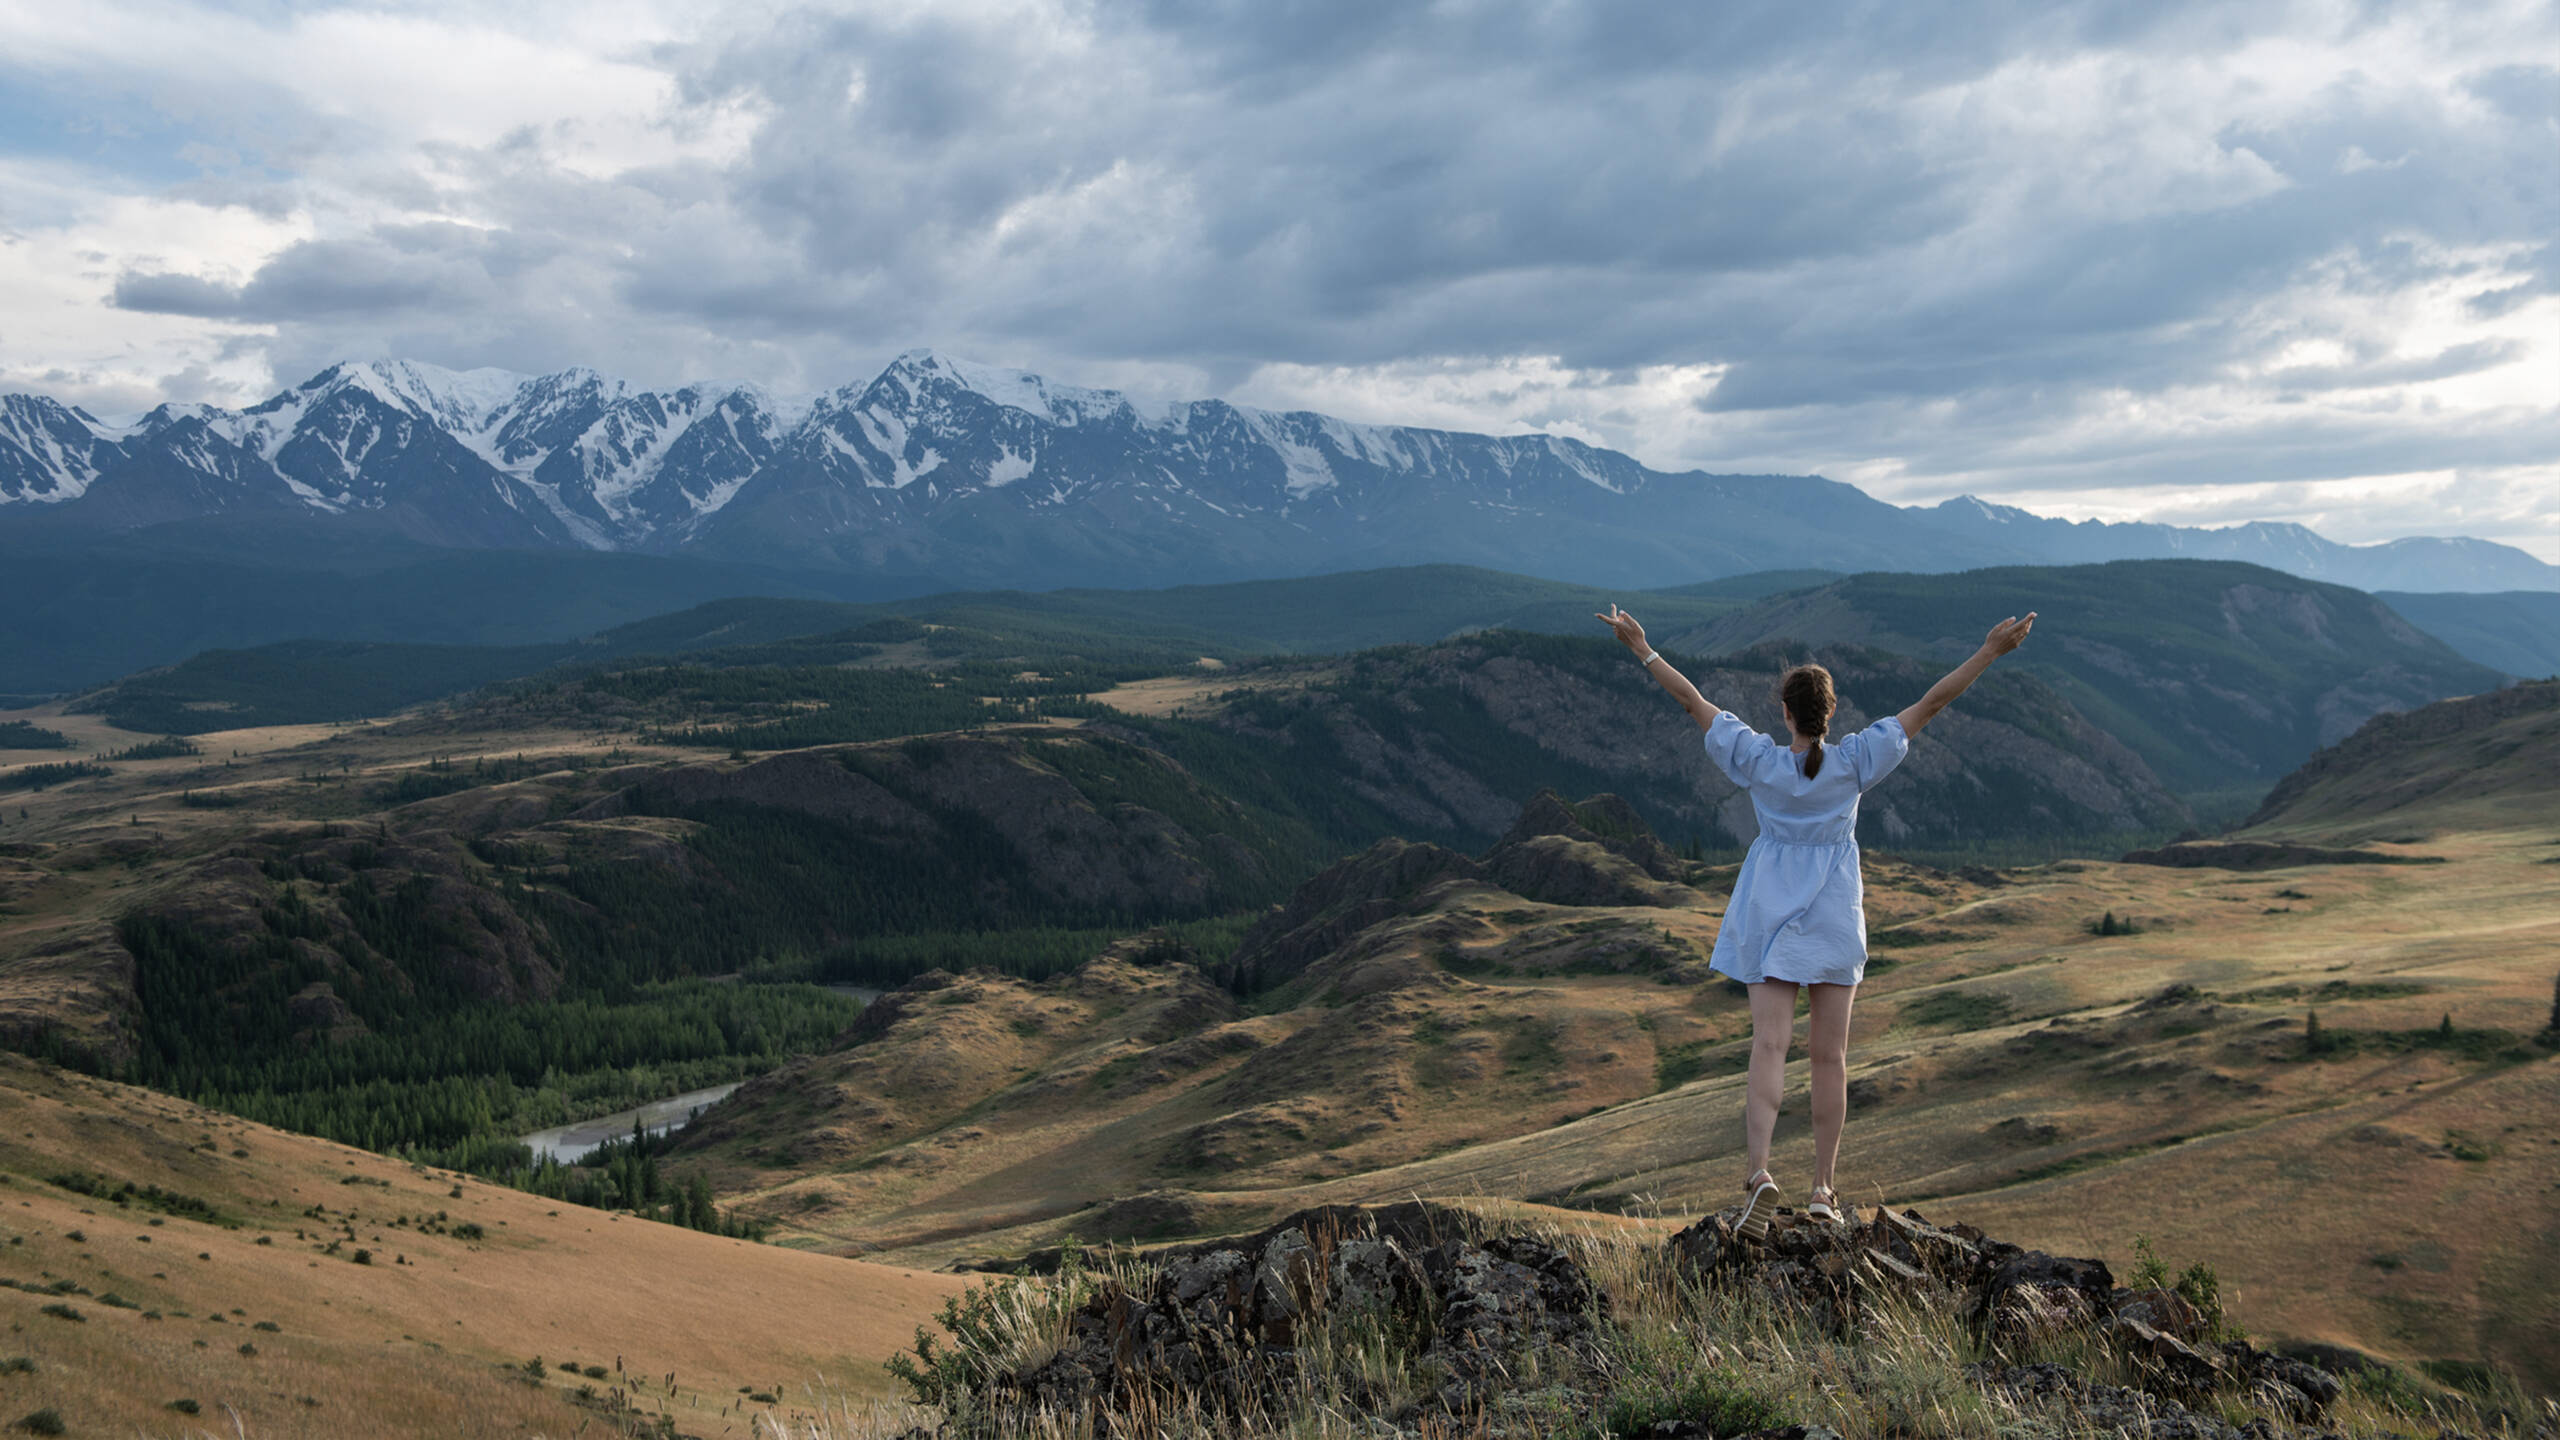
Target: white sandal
1755 1211
1823 1205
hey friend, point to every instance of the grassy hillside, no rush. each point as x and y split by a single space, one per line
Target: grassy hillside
318 1291
2483 760
2222 676
2517 631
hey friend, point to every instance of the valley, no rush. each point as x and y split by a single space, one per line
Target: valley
1000 928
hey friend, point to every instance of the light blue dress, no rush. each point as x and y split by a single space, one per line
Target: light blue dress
1799 907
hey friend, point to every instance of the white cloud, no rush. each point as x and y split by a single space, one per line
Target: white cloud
2164 260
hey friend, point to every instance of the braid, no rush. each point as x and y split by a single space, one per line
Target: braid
1809 698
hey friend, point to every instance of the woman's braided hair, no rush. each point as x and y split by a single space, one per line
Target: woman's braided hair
1809 697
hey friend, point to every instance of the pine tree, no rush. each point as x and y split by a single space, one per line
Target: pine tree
2444 1030
2554 1027
2313 1042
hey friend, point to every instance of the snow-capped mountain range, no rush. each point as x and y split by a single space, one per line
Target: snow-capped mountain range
964 474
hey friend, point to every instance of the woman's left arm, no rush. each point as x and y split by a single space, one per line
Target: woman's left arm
2006 636
1631 635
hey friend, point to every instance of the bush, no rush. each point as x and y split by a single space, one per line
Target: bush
47 1421
60 1311
184 1406
1707 1400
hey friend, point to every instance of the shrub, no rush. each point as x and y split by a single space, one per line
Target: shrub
1708 1400
60 1311
47 1421
184 1406
364 1257
470 1230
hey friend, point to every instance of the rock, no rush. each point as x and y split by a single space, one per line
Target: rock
2177 1366
2032 1292
1603 820
2166 1311
2302 1391
1221 1325
2101 1407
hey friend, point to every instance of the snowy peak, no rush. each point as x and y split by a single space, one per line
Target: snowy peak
49 452
946 469
928 375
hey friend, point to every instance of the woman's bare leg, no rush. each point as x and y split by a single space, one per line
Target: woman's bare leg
1773 1025
1830 1078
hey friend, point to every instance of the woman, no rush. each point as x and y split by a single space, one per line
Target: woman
1798 917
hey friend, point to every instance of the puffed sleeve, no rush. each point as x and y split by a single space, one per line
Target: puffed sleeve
1735 747
1873 752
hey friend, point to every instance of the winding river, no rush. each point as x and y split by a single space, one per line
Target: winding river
573 1142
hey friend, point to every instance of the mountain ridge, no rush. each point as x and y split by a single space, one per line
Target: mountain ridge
947 471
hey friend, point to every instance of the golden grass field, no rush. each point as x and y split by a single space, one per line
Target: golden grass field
433 1331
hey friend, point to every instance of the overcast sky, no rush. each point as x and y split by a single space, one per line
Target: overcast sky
2199 263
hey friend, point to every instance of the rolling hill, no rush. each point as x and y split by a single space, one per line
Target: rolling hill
2517 631
2223 677
302 681
2479 762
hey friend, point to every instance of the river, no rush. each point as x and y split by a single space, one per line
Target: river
573 1142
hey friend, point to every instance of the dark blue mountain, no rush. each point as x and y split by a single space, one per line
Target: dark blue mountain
941 472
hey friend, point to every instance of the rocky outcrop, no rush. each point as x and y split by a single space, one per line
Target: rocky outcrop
1226 1327
1603 820
1451 1321
1380 883
1834 1272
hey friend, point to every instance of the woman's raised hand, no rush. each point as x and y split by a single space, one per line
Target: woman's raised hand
2009 634
1629 633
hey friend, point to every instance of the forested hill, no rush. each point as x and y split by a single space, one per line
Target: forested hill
301 681
2217 674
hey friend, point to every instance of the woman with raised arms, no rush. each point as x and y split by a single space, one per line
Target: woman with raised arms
1798 913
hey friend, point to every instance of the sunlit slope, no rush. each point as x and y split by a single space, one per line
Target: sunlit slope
322 1291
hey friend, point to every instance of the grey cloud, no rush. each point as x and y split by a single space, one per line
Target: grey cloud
1788 190
166 294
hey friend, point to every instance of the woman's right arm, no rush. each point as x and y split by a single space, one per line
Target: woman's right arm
2004 637
1631 635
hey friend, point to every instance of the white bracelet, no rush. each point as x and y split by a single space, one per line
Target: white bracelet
1649 657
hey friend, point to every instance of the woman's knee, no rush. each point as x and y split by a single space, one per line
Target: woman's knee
1830 1054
